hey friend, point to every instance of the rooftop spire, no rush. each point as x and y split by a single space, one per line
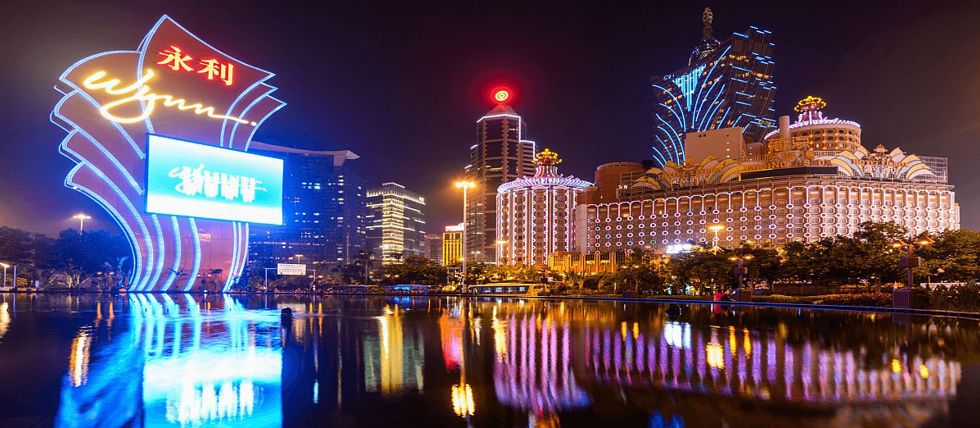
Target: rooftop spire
706 18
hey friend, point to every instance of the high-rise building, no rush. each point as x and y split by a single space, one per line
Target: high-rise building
323 209
395 223
501 154
724 85
452 245
536 215
433 247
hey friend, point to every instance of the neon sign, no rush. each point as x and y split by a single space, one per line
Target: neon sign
138 93
501 94
178 85
175 59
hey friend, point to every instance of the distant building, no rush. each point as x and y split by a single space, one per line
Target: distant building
814 180
395 223
433 247
500 155
535 215
323 209
725 85
452 245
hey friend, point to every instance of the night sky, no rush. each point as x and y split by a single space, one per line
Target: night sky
403 84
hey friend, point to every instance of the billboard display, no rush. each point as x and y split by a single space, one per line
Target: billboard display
203 181
290 269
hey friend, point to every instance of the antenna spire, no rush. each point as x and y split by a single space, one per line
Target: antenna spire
706 18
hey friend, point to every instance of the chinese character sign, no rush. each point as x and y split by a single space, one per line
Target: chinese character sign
203 181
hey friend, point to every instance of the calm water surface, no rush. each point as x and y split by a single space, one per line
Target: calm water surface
183 360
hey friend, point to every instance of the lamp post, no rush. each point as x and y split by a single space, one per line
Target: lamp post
500 251
715 228
740 269
902 298
5 266
465 185
81 217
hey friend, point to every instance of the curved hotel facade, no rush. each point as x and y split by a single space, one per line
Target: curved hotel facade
808 180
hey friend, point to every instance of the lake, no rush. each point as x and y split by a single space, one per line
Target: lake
189 360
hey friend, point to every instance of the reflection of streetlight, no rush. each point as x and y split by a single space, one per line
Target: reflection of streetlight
81 217
465 185
463 400
715 228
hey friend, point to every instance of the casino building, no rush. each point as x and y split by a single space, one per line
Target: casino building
323 209
808 180
535 215
726 84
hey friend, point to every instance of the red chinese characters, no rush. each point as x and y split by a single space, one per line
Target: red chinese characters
177 60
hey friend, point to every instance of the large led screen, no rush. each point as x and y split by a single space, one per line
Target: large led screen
198 180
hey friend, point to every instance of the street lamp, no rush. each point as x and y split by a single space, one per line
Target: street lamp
81 217
740 269
910 261
5 266
715 228
465 185
500 251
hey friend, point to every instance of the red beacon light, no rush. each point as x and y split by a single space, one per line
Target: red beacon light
501 95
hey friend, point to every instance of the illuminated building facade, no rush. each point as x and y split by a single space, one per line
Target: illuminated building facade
323 209
725 85
452 245
501 154
174 86
432 247
395 223
814 180
535 215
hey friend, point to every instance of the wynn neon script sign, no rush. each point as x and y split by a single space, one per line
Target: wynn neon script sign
138 92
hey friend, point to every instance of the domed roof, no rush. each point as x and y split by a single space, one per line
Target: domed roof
546 175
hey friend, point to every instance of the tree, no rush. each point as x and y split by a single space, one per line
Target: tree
414 270
956 253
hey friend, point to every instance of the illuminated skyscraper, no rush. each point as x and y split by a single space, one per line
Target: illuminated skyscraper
323 209
395 222
725 84
452 245
501 154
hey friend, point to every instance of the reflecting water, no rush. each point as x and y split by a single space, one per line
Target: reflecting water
185 360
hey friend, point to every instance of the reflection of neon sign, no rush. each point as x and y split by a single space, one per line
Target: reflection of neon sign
138 92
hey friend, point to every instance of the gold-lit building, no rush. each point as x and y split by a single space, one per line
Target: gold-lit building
535 215
452 245
812 179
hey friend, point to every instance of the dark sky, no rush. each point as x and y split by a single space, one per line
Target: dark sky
402 84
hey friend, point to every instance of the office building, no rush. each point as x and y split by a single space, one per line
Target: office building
452 245
500 155
395 223
535 215
726 84
433 247
323 209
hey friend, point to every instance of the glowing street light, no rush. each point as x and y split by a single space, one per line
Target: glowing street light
716 228
81 217
465 185
5 266
500 250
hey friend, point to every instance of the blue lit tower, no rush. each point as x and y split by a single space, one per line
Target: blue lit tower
725 84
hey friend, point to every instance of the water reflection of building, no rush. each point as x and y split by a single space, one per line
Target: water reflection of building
533 365
737 362
393 360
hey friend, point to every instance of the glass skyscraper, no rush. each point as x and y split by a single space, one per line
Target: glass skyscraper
324 210
725 84
395 223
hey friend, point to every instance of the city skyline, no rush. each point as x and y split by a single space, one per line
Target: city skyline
607 120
